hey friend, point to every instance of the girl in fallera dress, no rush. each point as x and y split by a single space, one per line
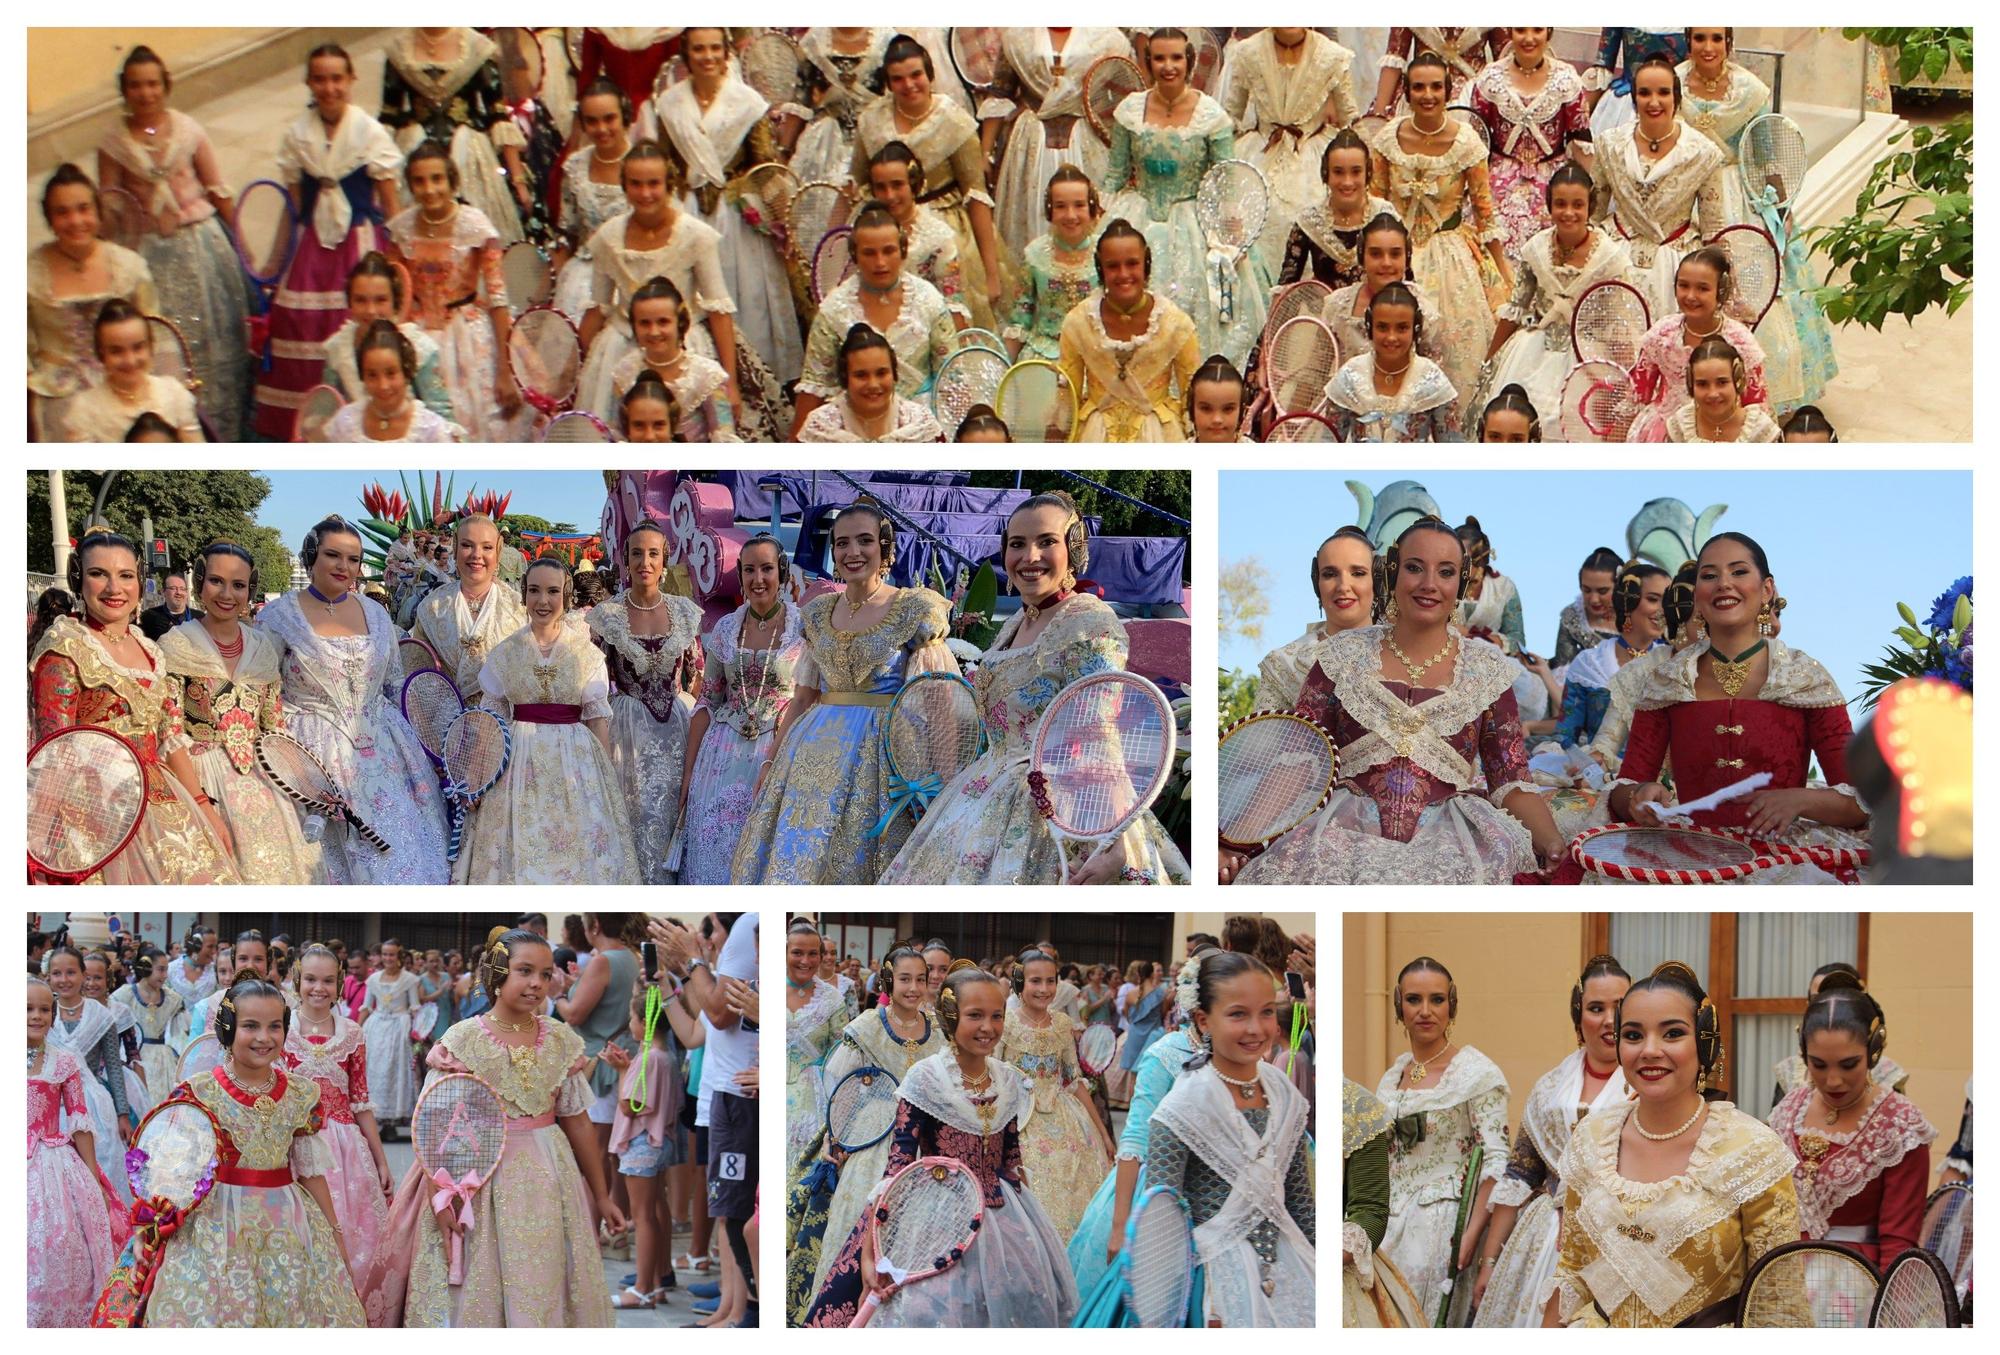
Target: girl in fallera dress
1702 285
97 989
1391 392
1383 257
1065 1149
826 786
893 1036
1517 1257
648 412
963 1103
660 320
930 250
123 340
592 191
558 815
751 659
1676 1187
650 640
342 167
75 1221
387 407
158 1019
1791 1072
223 675
89 1032
269 1210
385 1015
1217 397
1718 380
1533 106
101 671
325 1048
375 291
443 85
342 684
69 280
1325 239
983 827
1057 270
530 1249
1129 352
870 406
163 159
465 620
841 74
1296 87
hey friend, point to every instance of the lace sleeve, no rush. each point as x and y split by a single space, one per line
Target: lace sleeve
310 1154
1525 1173
107 1064
574 1096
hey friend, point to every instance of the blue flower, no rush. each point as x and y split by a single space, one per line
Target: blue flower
1941 610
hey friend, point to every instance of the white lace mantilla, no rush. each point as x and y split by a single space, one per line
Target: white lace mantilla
1421 733
1555 1105
936 1087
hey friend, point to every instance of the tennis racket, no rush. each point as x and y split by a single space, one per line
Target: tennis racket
122 218
1037 402
968 377
477 747
1772 153
671 73
1156 1264
1108 82
173 1157
314 420
972 336
770 64
814 209
524 270
204 1055
1231 203
459 1132
1204 58
170 353
976 56
764 196
86 799
1274 770
520 62
294 769
1301 358
1599 403
266 234
416 656
862 1110
832 262
933 733
1808 1284
1667 855
1304 426
579 425
923 1223
1917 1292
1753 272
1095 1049
431 701
1449 1314
1608 323
1305 297
1103 750
1947 1232
1469 115
545 356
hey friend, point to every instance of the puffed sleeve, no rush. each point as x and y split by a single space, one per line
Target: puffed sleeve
1364 1188
574 1096
596 700
1522 307
1396 55
817 377
711 292
493 688
931 625
58 690
1093 643
310 1154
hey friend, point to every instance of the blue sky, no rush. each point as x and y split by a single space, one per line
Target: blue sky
1845 546
299 498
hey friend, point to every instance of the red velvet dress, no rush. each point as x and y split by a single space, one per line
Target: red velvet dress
1715 743
1872 1180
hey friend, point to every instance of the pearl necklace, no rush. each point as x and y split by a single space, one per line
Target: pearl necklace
1421 1068
598 156
1247 1088
70 1013
264 1090
652 606
1686 1125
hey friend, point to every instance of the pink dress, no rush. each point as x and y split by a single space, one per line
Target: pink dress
338 1063
1661 374
74 1225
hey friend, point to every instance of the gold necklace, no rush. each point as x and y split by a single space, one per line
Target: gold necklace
529 1024
1731 674
1419 1068
1833 1112
1687 1124
854 609
1417 670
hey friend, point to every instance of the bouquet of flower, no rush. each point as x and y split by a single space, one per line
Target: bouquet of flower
1942 648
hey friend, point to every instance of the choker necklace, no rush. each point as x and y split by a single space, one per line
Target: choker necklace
1564 253
1417 670
1134 309
617 159
1288 46
1534 69
1731 674
761 617
1686 1125
652 606
70 1013
1653 143
529 1024
1245 1087
1421 1068
1056 599
805 987
881 293
327 602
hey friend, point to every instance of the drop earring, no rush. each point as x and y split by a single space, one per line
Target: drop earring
1764 621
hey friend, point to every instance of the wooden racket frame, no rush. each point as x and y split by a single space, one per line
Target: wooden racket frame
1787 1249
1333 780
1918 1256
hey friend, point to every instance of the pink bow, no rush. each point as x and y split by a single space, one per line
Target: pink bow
462 1191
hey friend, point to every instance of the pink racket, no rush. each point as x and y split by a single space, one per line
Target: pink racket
1103 751
926 1220
1306 297
545 356
86 799
459 1132
1304 426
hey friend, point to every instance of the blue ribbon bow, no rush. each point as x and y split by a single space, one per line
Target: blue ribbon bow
903 794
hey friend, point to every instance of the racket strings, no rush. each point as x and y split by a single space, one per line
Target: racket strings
475 751
1160 1270
431 703
84 795
544 354
934 730
1810 1288
459 1127
1912 1297
1100 752
861 1112
922 1220
295 770
1270 774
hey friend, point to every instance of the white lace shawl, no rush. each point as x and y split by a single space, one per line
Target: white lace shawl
934 140
190 651
308 153
1425 388
1291 95
317 1062
96 1021
1794 678
835 421
936 1087
708 141
1551 1115
1651 202
1202 1114
1892 1129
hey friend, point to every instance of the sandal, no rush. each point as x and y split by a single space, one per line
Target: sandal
700 1265
630 1297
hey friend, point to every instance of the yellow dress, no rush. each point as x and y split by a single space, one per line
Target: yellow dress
1061 1149
1129 390
1652 1254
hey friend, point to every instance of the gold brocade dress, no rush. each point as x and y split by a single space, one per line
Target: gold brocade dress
1061 1148
462 637
1129 390
1652 1254
946 143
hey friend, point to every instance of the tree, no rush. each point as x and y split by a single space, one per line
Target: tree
1236 693
274 558
516 523
1168 489
189 508
1240 602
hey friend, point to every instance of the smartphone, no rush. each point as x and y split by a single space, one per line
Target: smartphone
1295 984
650 957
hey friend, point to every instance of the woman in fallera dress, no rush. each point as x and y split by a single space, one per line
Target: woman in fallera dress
158 1018
1057 269
162 157
1718 380
751 665
73 1216
1517 1258
101 671
842 74
1391 392
650 639
1343 581
592 192
1325 239
1863 1150
1065 1149
983 828
558 816
1590 619
1407 807
89 1032
1703 283
1445 1099
123 339
387 408
1040 106
69 280
341 683
1465 52
1290 91
1128 351
660 322
1790 1071
223 675
1684 1192
825 786
1533 106
385 1017
443 85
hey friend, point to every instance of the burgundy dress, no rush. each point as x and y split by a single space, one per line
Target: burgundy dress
1715 743
1867 1188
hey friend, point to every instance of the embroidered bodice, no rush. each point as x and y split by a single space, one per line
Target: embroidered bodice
572 673
748 689
345 680
1530 130
1433 193
1288 100
868 1041
399 996
875 659
586 203
1050 290
1546 291
1047 1054
939 1115
55 1095
337 1063
1651 204
528 1078
1015 685
1128 379
840 84
647 668
946 144
1463 1106
463 636
448 273
417 91
1660 374
77 682
1318 248
152 1019
257 1132
220 710
812 1030
993 1158
1350 330
1835 1168
1723 120
690 259
1165 164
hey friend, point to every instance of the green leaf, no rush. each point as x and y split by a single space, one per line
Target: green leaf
1934 63
983 591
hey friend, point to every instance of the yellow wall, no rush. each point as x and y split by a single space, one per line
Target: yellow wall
1514 972
81 64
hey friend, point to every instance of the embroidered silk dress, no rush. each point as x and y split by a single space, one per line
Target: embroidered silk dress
837 421
586 206
1663 210
946 143
744 692
1531 139
1651 1254
223 715
343 372
983 827
1015 1273
1517 1289
649 721
1227 298
931 253
70 1212
386 1014
1050 289
455 283
77 682
338 1065
1060 1146
160 1027
1424 409
188 250
1866 1187
62 331
838 85
829 783
811 1033
701 394
922 334
342 699
530 1251
1130 390
1247 1178
1539 354
463 107
1410 806
1465 1106
558 816
1285 115
463 635
1661 373
1317 248
1043 94
258 1251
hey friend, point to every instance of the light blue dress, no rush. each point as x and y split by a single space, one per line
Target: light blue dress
1145 1025
1164 167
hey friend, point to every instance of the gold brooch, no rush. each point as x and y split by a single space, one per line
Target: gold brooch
1636 1233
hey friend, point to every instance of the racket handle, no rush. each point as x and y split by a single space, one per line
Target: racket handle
867 1312
457 830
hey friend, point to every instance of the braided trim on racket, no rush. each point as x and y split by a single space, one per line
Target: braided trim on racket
1333 764
1659 875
